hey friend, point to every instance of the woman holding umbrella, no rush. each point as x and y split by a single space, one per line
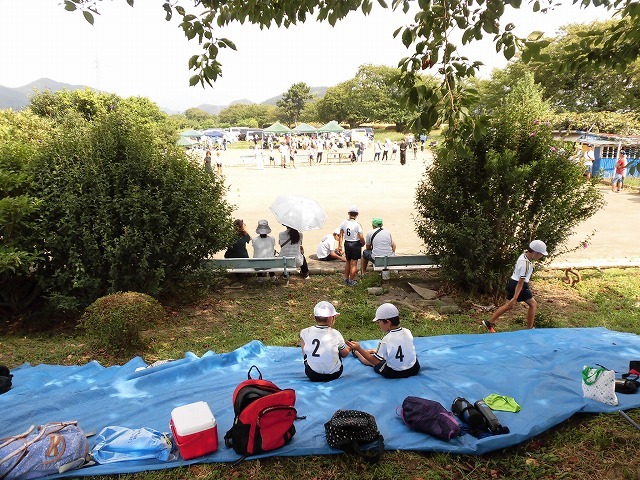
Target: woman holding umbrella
291 246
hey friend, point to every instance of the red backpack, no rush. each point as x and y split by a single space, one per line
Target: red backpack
264 416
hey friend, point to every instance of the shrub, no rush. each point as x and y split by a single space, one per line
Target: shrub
122 209
480 205
114 322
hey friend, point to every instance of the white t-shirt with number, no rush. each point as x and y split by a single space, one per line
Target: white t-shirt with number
321 346
397 349
351 229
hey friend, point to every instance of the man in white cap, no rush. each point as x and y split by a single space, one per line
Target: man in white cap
323 347
395 356
326 250
518 289
351 233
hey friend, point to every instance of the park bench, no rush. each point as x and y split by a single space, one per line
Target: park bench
282 265
403 262
339 156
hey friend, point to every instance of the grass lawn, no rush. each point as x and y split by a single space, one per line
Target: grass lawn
222 319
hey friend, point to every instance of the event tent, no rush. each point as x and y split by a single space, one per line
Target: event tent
305 128
331 127
191 133
276 128
186 142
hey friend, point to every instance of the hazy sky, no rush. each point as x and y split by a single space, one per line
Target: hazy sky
134 51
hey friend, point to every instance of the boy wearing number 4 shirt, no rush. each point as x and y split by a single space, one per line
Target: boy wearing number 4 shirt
323 347
395 356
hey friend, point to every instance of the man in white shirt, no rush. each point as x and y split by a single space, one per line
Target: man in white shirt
378 243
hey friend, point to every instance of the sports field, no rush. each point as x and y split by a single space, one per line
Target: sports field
387 190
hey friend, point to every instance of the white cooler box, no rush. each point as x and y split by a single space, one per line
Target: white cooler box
194 430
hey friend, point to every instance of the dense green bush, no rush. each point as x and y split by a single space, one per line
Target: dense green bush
97 199
114 322
122 210
479 207
21 134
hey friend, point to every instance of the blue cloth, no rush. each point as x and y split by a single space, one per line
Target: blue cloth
541 368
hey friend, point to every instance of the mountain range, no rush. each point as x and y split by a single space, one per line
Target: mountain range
18 98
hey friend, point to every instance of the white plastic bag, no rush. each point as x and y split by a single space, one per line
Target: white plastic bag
599 384
120 444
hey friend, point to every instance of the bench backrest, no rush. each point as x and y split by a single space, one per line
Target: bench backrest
256 263
401 260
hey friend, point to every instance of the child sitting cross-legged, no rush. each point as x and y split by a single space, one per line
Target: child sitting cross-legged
395 356
323 347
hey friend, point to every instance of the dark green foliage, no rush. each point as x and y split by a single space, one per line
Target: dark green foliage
20 134
479 208
121 209
114 322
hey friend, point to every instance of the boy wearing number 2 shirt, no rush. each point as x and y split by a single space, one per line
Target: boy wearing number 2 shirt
323 347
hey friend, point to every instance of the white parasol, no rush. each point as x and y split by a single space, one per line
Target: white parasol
297 212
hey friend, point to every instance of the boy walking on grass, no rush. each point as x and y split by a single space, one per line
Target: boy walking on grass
395 356
323 347
518 289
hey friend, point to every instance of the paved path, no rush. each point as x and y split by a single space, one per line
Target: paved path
387 190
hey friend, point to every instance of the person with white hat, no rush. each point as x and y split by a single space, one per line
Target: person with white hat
326 251
395 356
518 289
323 347
264 246
351 233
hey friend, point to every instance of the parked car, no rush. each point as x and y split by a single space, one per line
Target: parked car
240 131
254 133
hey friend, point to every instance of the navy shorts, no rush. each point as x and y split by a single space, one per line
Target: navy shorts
353 250
525 293
388 372
320 377
367 255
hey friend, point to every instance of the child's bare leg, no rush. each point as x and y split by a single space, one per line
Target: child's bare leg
354 269
531 314
500 311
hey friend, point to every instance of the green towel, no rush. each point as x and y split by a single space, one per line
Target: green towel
502 402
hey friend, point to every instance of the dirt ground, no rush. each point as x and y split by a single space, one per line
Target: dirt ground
387 189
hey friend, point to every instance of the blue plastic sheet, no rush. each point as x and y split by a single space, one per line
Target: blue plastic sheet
540 368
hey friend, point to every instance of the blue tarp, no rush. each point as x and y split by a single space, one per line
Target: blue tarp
540 368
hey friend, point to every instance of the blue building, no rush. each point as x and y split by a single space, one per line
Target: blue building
607 148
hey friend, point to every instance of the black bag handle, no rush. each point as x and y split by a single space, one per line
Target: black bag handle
249 373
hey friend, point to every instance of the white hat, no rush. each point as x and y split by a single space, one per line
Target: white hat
263 227
337 231
353 209
386 311
538 246
324 309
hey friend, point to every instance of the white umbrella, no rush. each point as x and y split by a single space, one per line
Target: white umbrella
297 212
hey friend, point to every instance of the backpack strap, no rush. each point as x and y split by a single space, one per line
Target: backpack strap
370 456
374 236
249 373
